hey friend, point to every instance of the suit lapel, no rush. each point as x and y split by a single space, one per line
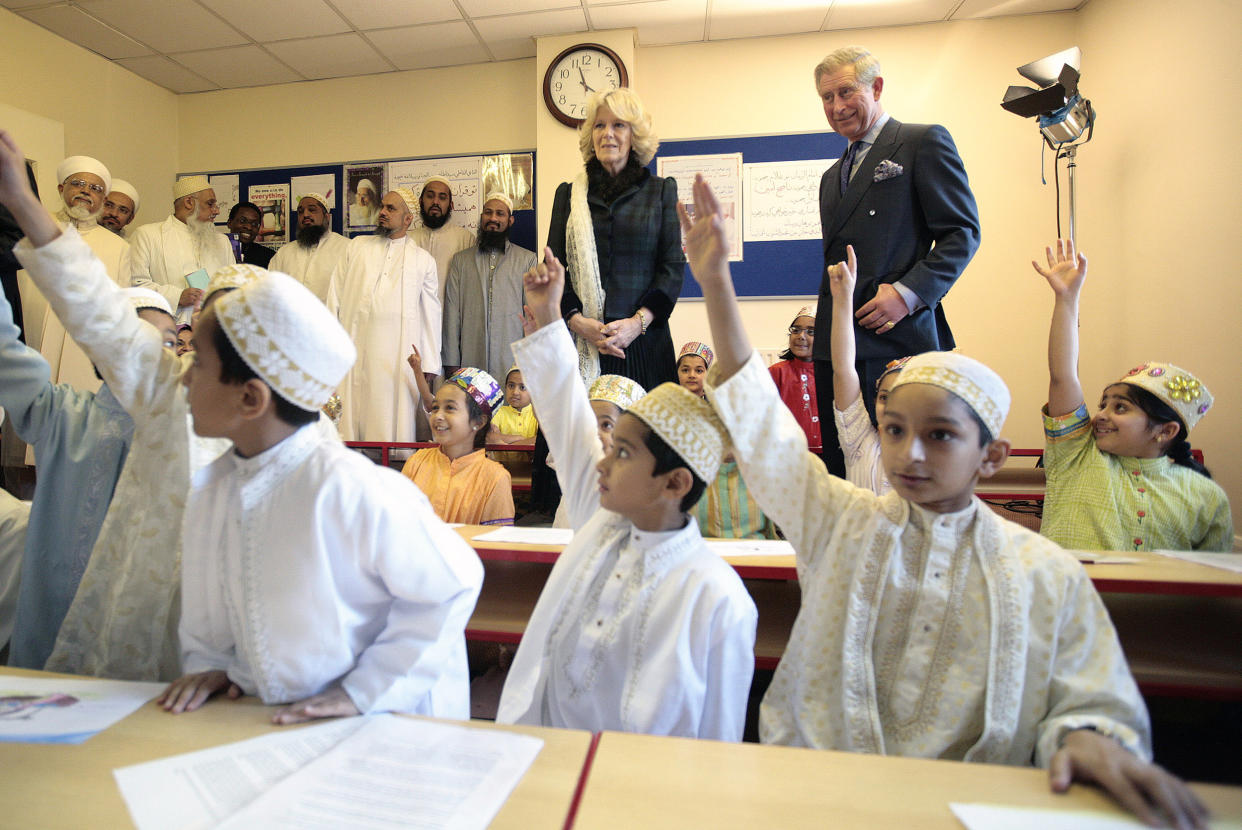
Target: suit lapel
885 146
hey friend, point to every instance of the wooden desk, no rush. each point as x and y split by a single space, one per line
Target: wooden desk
642 781
1158 606
53 786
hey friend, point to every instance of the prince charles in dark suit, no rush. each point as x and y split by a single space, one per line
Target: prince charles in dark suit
900 196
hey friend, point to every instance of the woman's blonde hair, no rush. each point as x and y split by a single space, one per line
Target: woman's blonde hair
626 105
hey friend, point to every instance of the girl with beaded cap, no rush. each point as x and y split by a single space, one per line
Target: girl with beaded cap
794 374
859 437
693 361
1123 479
640 627
463 484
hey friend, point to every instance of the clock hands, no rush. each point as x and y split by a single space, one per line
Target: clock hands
583 81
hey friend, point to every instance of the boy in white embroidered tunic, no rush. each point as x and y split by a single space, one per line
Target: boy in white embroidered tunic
640 627
310 576
929 626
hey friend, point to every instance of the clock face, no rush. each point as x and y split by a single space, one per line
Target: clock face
575 74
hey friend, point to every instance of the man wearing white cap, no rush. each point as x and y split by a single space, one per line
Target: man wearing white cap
84 184
483 294
120 207
436 232
165 253
384 293
318 249
362 596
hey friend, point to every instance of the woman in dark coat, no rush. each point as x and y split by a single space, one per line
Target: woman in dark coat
615 228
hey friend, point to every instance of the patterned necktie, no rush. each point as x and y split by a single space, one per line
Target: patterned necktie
847 164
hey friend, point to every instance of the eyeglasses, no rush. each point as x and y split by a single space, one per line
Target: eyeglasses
809 331
84 185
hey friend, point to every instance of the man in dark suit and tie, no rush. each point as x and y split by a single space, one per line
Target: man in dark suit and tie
900 196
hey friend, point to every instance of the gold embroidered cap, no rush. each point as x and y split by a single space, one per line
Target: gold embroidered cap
141 298
697 349
1181 390
189 184
499 196
233 276
407 196
84 164
805 311
288 338
688 424
318 197
616 389
981 388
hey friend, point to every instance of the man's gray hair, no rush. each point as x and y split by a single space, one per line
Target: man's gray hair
866 66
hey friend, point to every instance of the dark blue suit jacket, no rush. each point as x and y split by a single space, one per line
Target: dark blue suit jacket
920 226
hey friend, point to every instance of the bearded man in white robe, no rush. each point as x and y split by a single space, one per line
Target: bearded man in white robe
165 253
436 233
84 185
318 249
384 293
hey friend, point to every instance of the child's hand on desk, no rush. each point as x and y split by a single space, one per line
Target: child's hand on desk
185 694
334 703
1146 790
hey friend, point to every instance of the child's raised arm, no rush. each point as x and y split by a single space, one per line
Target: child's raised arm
1065 274
424 388
707 251
841 279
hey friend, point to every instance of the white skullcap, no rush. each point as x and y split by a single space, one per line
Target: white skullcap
233 276
1186 394
500 196
127 189
318 197
688 424
365 184
977 385
141 298
440 179
189 184
83 164
407 196
288 337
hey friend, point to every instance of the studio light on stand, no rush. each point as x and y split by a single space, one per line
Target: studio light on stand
1064 116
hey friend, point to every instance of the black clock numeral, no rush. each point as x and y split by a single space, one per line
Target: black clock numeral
564 73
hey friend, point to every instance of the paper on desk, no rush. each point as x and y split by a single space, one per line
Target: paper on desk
1002 817
750 547
399 772
201 789
58 710
1226 561
528 535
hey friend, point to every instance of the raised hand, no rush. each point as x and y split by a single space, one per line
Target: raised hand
1066 271
842 277
15 194
415 360
707 248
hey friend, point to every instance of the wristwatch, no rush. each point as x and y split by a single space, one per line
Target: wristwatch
643 322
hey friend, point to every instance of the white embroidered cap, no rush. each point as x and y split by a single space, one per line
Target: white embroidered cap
500 196
688 424
617 390
83 164
318 197
981 388
233 276
439 179
1186 394
141 298
288 338
407 196
189 184
124 187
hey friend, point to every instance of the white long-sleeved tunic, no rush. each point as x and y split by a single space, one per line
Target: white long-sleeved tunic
163 253
312 266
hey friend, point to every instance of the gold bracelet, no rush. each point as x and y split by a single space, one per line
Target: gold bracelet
642 321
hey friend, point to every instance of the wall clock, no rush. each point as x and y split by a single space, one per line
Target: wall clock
577 72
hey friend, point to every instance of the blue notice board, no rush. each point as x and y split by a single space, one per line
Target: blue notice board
768 269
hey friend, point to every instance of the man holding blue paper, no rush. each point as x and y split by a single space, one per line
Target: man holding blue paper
176 257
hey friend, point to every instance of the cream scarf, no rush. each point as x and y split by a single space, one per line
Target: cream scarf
584 271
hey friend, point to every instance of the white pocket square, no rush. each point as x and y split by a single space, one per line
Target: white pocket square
887 170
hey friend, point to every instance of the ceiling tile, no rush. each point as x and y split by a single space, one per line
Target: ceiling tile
744 18
999 8
487 8
237 66
297 18
334 56
167 74
22 4
169 26
74 25
437 44
659 22
858 14
386 14
513 36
